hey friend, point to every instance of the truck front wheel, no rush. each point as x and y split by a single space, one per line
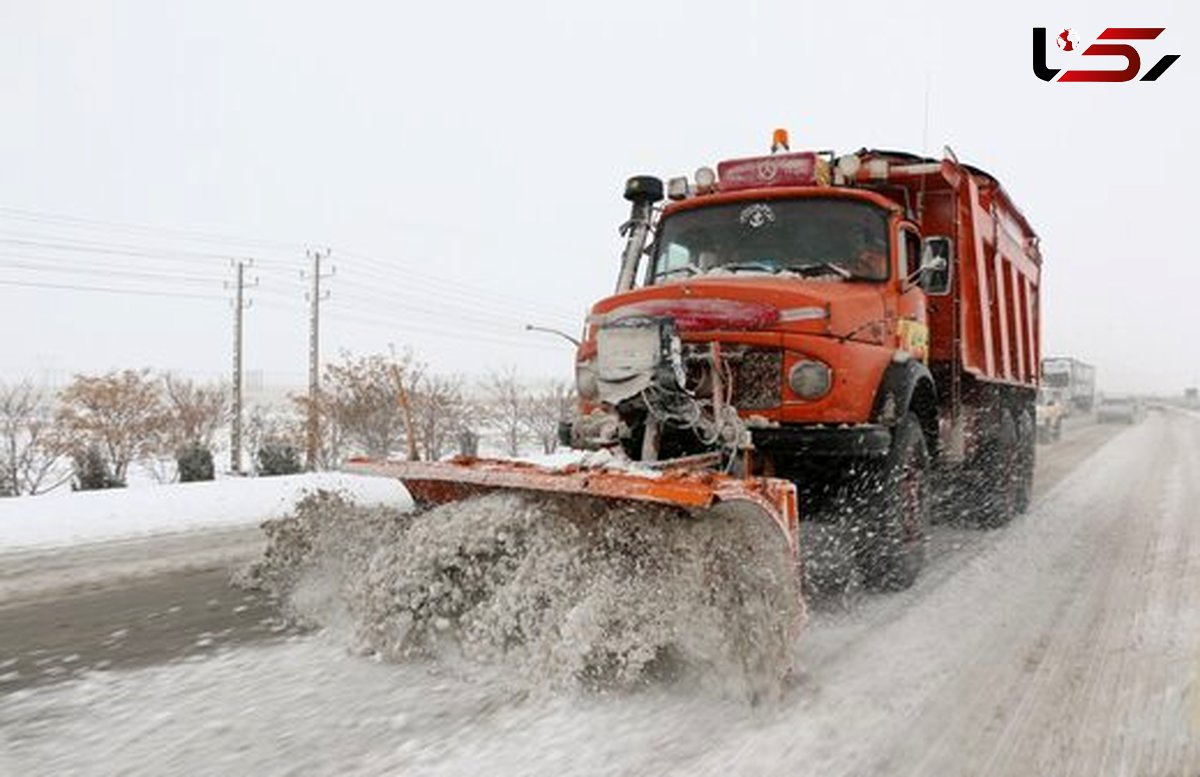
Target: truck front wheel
890 548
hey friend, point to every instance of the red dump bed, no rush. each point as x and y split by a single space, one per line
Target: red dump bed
988 326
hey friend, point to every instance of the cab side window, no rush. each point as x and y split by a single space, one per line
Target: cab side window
910 252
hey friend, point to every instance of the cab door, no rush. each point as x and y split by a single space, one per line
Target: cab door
912 326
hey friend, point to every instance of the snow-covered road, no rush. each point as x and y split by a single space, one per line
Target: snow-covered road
1066 643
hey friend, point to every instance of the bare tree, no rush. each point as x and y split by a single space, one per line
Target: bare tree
441 411
121 415
30 456
195 411
505 408
332 440
544 410
365 403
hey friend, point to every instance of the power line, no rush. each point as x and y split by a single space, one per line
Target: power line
71 243
83 257
110 290
384 273
393 316
92 246
387 293
77 222
490 336
472 308
440 310
106 271
387 271
384 294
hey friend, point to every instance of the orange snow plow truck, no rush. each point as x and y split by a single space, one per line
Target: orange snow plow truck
802 335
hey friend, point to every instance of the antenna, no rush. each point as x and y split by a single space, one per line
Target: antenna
925 127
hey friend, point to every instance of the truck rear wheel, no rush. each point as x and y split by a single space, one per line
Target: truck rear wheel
890 548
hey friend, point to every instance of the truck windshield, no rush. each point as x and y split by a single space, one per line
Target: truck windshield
811 237
1056 379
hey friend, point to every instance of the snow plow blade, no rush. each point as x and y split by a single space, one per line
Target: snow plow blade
692 490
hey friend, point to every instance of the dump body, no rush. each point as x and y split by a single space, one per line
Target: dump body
988 326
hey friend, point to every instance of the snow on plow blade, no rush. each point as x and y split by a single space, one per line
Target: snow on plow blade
434 483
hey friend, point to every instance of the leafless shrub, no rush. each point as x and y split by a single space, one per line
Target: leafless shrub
505 409
30 453
543 410
330 436
365 401
196 412
121 415
274 429
441 412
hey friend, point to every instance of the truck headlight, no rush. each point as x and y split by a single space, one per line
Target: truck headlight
810 379
585 381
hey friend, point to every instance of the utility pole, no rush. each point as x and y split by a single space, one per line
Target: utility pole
239 305
314 356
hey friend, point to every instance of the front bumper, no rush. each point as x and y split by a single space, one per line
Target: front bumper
851 441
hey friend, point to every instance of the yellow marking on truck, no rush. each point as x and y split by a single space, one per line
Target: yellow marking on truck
914 338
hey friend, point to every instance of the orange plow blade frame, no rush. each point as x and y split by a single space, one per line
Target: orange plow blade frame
690 489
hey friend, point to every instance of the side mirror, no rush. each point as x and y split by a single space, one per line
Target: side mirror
936 256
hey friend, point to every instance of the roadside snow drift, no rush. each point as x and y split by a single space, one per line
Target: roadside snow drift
56 520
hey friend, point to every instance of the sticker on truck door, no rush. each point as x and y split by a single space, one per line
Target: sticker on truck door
914 338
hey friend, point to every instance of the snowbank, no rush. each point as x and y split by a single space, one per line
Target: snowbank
55 520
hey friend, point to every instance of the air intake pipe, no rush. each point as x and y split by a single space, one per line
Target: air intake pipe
643 191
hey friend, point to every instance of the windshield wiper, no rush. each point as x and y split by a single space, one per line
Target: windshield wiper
691 270
832 267
763 266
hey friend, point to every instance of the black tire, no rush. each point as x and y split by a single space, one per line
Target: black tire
1027 453
890 546
1000 473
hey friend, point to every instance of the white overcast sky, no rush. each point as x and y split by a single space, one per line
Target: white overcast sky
465 164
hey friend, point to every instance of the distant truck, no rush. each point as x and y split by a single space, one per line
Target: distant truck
1070 381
